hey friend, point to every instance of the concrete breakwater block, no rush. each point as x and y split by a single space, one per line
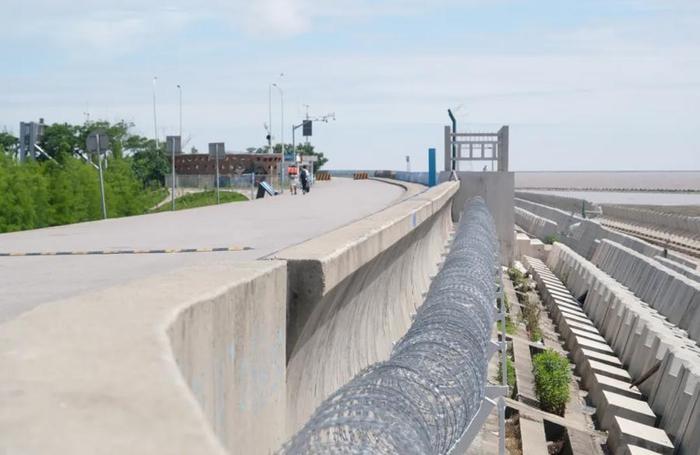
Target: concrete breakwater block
642 338
671 293
535 225
599 383
590 335
636 450
624 432
613 405
566 327
582 353
590 367
581 343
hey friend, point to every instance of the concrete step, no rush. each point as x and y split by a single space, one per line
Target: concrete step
613 405
599 382
624 432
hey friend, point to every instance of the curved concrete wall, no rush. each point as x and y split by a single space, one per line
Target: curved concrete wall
352 293
230 350
97 374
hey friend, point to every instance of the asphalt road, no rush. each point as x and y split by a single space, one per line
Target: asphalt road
264 226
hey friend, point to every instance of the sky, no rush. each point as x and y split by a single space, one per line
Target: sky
583 84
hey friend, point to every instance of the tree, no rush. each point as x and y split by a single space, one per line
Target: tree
150 165
8 143
308 149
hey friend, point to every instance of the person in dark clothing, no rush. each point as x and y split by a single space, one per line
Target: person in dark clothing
305 179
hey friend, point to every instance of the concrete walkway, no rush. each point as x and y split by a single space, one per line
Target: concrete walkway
264 225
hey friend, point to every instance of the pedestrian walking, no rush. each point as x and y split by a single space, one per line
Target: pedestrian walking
293 179
305 179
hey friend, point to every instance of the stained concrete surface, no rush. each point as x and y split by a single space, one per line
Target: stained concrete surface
265 225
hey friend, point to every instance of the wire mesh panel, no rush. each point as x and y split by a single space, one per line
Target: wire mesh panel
421 399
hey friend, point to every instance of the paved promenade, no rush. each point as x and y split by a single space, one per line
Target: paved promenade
264 226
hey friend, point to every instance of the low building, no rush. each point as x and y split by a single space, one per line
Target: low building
235 169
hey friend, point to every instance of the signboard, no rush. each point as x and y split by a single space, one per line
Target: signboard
97 140
307 127
173 144
216 149
289 156
309 159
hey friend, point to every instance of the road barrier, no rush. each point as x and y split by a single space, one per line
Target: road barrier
323 176
422 398
360 176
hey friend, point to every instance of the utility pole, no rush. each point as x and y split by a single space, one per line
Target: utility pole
269 111
174 186
155 119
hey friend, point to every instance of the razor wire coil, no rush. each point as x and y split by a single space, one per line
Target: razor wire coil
422 398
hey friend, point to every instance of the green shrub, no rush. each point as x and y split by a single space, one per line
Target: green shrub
550 239
552 379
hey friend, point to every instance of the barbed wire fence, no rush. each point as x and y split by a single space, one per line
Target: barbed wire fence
422 398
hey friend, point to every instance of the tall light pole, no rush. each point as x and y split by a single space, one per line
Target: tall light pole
281 167
269 110
282 114
155 119
179 89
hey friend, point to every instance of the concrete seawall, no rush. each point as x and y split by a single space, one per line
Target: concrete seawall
98 373
195 361
352 293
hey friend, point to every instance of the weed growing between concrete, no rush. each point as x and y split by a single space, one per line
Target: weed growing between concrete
530 309
550 239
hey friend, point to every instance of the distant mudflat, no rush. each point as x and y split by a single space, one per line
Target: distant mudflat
610 180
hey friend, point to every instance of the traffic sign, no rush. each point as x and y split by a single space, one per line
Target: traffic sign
307 127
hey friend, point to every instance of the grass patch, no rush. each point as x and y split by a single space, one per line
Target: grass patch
153 197
190 201
510 367
552 379
510 326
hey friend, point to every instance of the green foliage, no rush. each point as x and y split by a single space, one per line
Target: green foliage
510 326
75 192
308 149
150 164
37 194
515 275
154 197
510 374
201 199
8 143
550 239
24 196
552 379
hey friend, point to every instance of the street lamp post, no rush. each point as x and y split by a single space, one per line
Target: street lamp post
155 120
179 89
269 110
281 135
